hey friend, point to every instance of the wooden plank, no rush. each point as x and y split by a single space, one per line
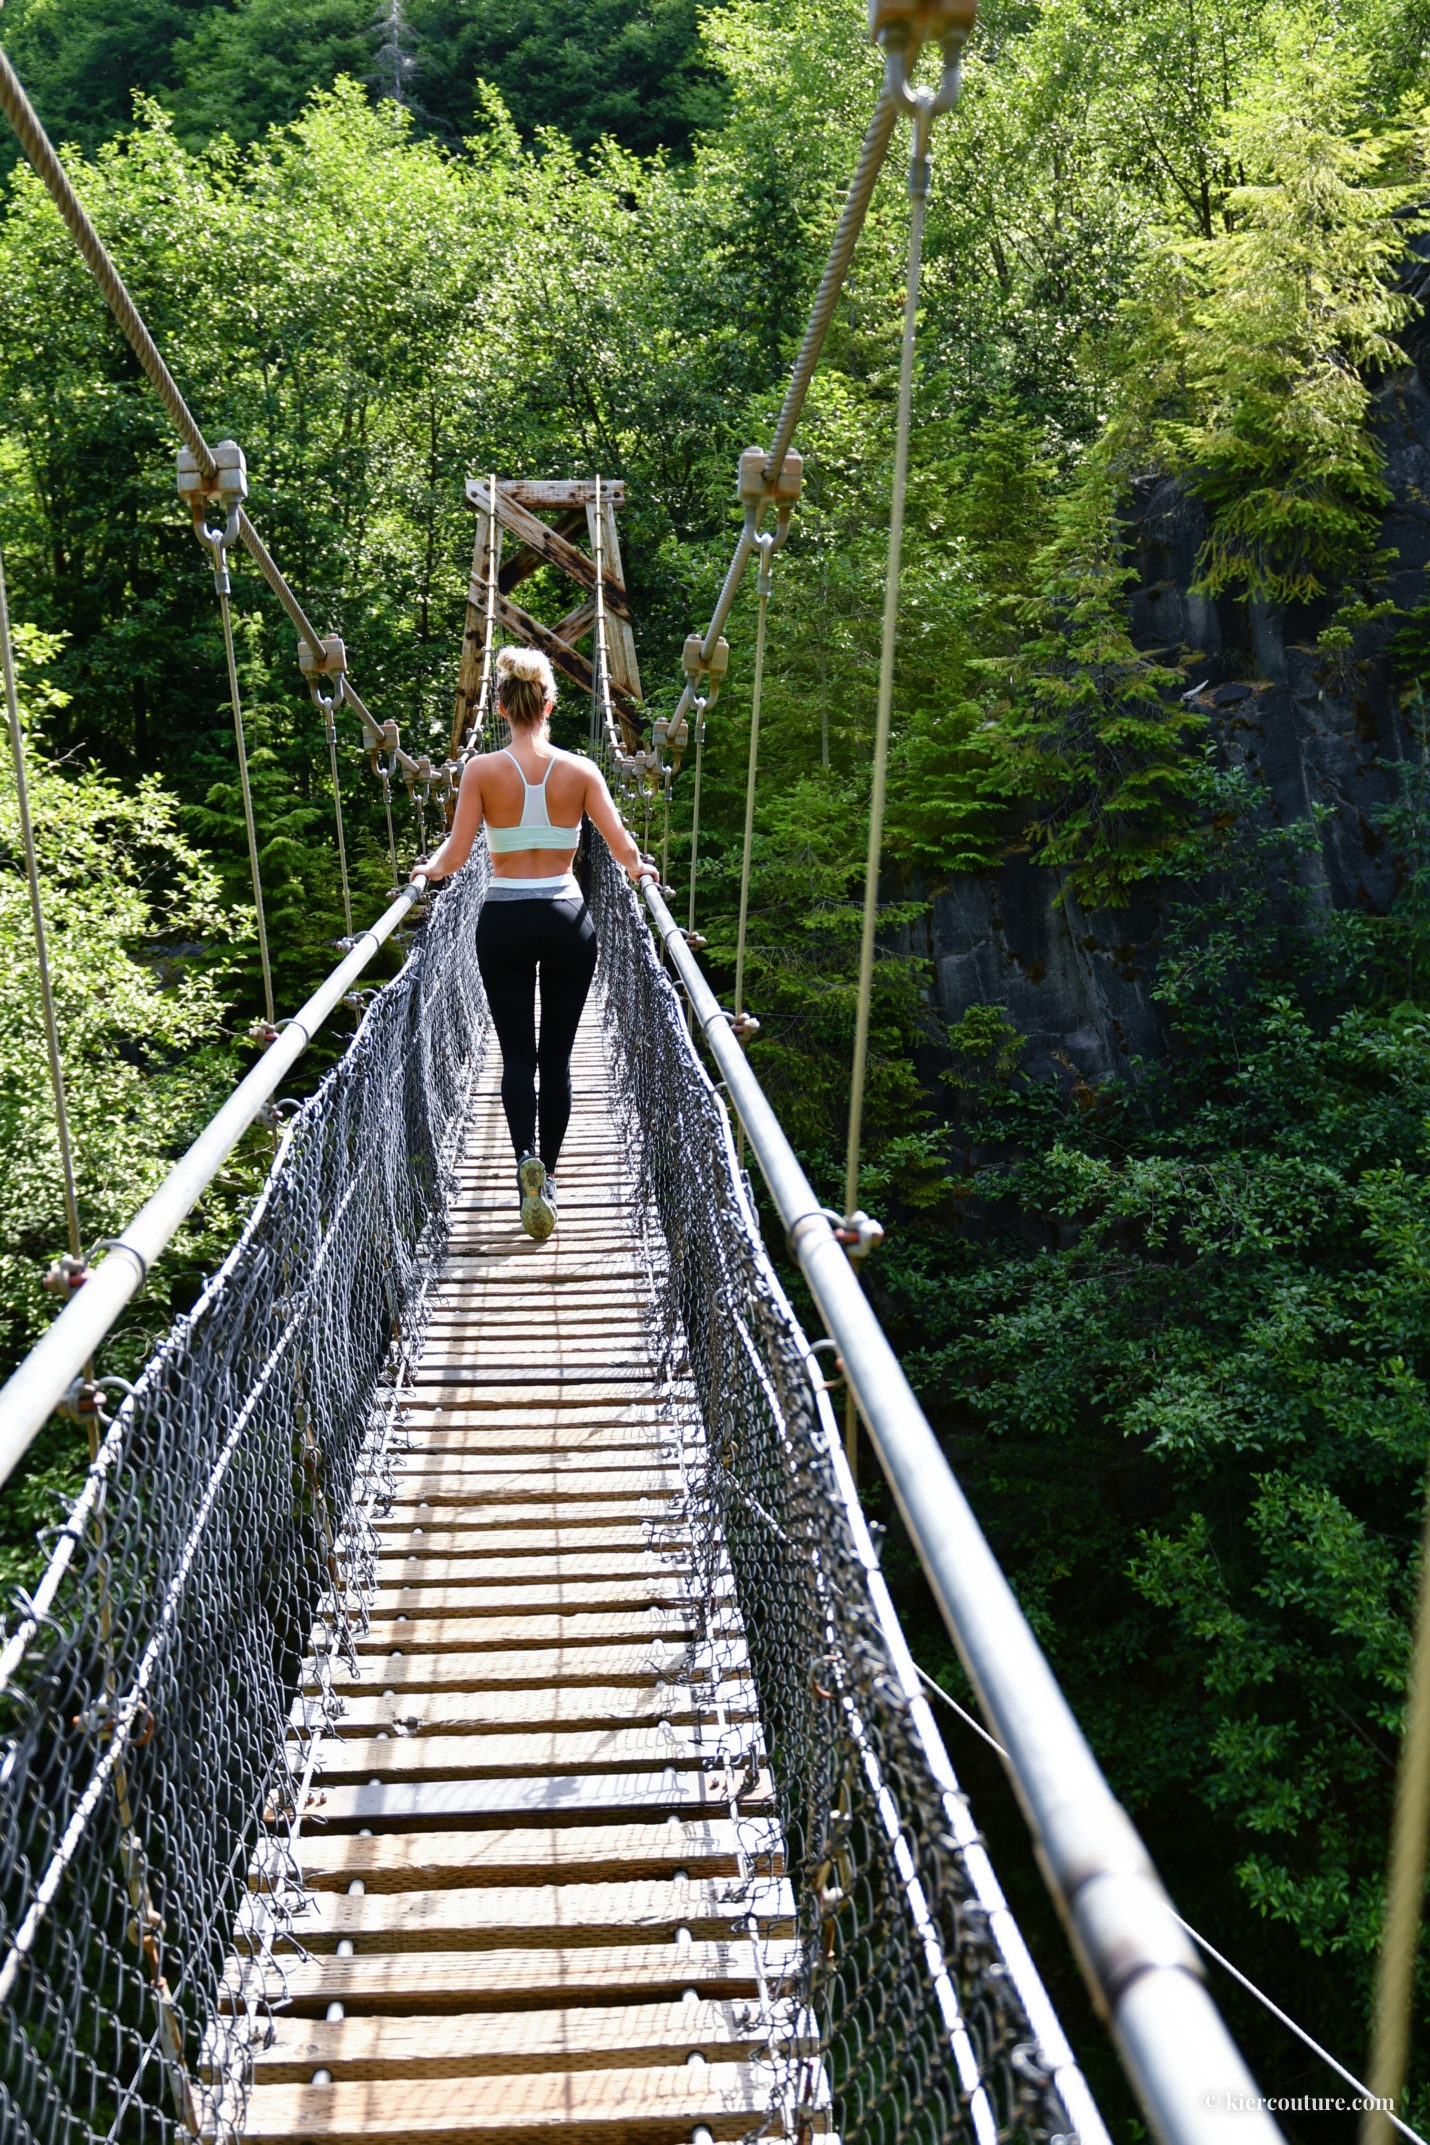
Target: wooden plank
467 1713
650 2106
501 1391
531 1854
535 1752
589 1440
570 1799
530 1544
434 1569
492 2043
635 1598
549 1485
448 1499
403 1982
590 1453
545 1916
518 1667
500 1634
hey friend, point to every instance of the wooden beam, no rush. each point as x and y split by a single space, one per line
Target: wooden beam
577 624
552 549
568 660
625 671
546 492
469 674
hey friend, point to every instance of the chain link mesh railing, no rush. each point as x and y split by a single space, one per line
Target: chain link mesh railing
151 1786
910 1966
223 1534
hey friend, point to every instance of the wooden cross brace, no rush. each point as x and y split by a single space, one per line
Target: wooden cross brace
518 506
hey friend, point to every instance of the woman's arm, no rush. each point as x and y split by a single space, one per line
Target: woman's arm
466 822
604 816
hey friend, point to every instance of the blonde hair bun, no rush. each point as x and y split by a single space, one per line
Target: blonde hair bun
525 683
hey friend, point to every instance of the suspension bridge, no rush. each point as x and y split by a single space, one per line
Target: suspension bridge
464 1701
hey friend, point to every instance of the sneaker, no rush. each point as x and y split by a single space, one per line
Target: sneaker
538 1202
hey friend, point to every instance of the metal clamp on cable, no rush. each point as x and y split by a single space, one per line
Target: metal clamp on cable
705 672
229 485
860 1234
759 487
69 1272
333 665
82 1401
900 28
743 1026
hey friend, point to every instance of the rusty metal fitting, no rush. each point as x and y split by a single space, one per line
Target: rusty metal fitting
921 22
860 1234
69 1272
335 658
82 1401
228 483
781 490
695 940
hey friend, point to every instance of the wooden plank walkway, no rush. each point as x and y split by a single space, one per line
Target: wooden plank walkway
530 1917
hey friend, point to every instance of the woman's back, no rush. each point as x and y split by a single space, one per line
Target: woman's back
515 782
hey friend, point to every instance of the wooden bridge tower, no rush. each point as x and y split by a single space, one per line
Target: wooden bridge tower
543 517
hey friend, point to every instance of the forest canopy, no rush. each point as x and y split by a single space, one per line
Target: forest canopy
1171 1321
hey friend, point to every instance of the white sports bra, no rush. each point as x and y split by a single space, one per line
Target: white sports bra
535 829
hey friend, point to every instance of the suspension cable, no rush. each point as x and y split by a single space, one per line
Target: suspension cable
925 107
767 546
56 180
851 222
37 916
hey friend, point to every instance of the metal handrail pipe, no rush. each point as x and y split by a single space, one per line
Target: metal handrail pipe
1144 1976
36 1388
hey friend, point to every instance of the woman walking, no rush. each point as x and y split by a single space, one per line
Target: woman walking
534 926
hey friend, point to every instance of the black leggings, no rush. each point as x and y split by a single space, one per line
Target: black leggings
515 940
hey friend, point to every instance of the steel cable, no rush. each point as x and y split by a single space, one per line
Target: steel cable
37 918
924 110
846 237
248 819
767 546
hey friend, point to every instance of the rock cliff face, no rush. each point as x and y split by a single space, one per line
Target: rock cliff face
1310 732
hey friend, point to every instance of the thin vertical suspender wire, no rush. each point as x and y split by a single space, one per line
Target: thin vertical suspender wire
485 688
918 192
248 820
767 546
1405 1879
37 913
698 710
331 728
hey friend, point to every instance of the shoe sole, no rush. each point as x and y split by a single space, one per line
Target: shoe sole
538 1216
